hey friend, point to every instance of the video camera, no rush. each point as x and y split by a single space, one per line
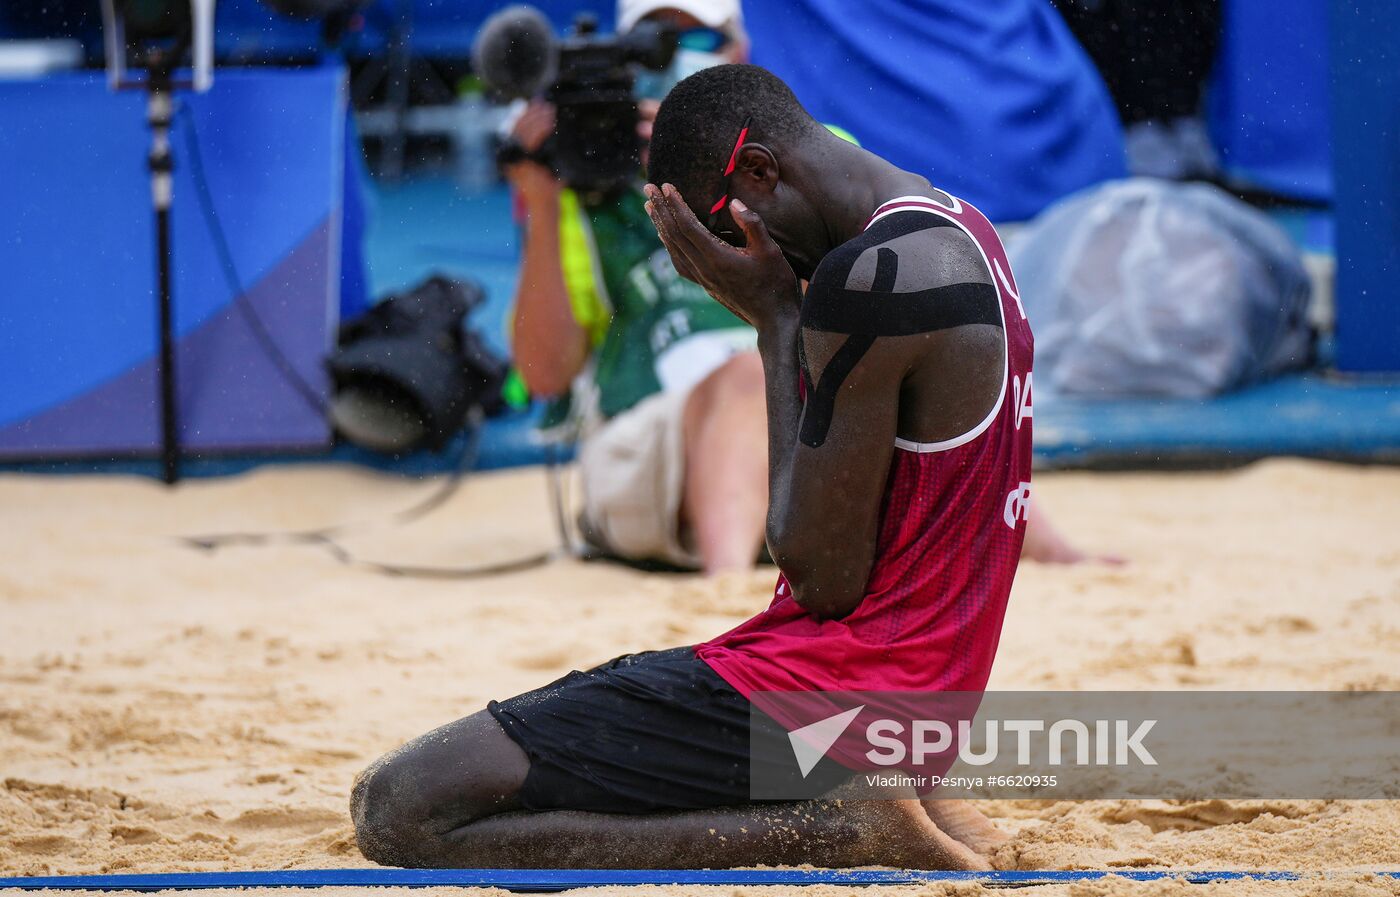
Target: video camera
589 79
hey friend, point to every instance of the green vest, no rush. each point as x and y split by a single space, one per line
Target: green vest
630 301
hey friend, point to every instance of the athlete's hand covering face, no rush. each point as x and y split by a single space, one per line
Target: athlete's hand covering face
755 281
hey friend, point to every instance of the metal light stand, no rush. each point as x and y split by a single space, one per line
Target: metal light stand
160 113
161 59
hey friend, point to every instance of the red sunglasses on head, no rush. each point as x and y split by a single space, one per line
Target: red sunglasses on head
728 173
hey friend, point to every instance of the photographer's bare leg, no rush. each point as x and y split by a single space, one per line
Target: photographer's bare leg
726 478
451 799
726 466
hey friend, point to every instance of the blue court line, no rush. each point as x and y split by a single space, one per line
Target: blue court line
545 880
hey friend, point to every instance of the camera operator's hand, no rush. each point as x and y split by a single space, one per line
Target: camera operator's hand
534 125
646 120
534 181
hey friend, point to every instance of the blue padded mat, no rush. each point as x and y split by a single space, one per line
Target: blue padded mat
1301 414
544 880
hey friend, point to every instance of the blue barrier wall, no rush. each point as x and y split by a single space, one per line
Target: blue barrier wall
248 30
78 325
1366 100
1268 105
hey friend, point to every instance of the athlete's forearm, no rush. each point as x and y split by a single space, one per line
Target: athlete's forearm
549 346
827 484
777 346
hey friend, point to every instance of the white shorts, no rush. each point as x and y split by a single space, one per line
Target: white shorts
633 478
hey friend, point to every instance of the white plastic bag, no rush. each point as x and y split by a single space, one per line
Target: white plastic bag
1156 288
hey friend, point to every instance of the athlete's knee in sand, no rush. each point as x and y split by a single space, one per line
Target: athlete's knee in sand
406 804
387 828
391 813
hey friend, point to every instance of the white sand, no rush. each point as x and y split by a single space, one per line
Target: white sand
163 709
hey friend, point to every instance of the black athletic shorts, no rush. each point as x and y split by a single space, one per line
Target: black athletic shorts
658 730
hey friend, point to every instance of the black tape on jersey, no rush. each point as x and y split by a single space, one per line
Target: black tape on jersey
864 315
821 397
901 314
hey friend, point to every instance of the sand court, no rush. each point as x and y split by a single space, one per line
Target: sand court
166 709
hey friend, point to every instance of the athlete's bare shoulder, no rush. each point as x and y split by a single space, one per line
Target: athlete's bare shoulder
915 281
927 272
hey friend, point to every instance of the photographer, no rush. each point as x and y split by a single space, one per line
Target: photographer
671 401
666 383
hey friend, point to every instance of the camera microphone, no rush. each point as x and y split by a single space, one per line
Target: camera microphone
516 53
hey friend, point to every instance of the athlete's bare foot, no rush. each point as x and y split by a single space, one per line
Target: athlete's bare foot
902 834
966 824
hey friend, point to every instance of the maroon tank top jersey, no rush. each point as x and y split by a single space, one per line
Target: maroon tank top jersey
952 521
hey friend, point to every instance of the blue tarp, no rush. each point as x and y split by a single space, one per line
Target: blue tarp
993 100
